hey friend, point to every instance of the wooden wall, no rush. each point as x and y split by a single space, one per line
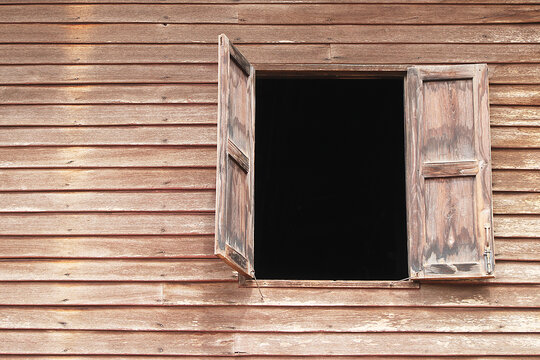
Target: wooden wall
107 179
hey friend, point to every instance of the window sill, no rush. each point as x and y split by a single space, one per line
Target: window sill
400 284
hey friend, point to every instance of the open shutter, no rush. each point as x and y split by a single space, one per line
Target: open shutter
449 201
236 149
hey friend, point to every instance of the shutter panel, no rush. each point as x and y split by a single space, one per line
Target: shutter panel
236 149
449 198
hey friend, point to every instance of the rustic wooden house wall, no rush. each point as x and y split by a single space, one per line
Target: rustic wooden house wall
107 179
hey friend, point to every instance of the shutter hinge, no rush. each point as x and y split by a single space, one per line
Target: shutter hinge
488 260
488 254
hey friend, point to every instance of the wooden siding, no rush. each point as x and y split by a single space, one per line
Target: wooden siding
107 182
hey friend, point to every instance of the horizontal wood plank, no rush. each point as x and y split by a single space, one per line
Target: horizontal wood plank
107 224
292 2
267 34
146 13
107 247
272 14
272 53
107 179
116 270
516 225
512 203
432 53
80 157
514 95
170 343
516 159
111 74
199 73
261 357
187 93
179 247
95 115
517 249
173 201
109 135
289 319
229 293
109 94
516 180
515 115
516 272
428 295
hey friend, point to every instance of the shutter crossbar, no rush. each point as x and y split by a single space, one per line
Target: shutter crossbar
450 168
238 156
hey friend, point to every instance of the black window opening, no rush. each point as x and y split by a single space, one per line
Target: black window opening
330 179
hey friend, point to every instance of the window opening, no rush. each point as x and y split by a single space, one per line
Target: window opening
330 179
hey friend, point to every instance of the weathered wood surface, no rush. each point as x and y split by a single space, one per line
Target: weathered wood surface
118 201
516 225
136 114
272 53
178 247
134 53
175 201
201 73
116 270
107 179
517 249
109 135
229 293
267 34
226 343
515 115
516 159
186 270
109 94
516 180
107 224
514 95
162 246
114 156
272 14
275 319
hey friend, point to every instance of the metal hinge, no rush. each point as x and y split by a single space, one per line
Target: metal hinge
488 260
488 255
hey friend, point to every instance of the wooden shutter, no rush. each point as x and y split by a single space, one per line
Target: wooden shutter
449 202
236 149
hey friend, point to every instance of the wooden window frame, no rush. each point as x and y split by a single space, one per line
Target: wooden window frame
331 71
352 71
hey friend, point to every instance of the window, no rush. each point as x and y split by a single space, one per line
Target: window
447 171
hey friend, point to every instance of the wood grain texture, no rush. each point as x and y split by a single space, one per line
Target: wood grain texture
109 135
95 115
511 203
516 159
286 319
516 225
262 357
107 179
517 249
516 180
116 270
167 343
118 201
109 94
229 293
515 95
199 73
107 224
110 74
272 53
81 157
271 14
515 115
262 33
162 246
